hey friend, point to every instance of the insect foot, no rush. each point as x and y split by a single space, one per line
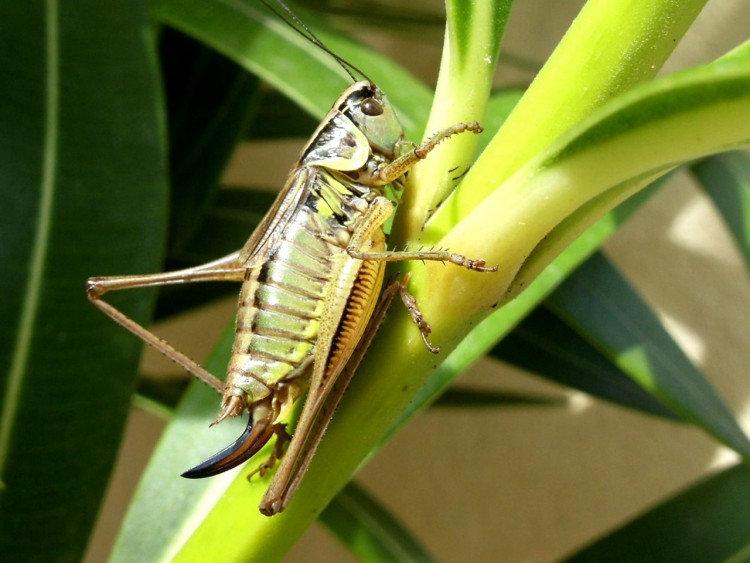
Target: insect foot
476 264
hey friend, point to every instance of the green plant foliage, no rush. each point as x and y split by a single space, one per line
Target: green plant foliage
630 334
543 344
726 180
369 530
209 99
107 105
84 181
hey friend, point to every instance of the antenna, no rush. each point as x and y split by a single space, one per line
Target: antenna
291 19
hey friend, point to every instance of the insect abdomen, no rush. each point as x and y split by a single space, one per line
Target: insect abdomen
281 302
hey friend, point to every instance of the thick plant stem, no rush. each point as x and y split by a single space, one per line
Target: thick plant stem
611 46
473 34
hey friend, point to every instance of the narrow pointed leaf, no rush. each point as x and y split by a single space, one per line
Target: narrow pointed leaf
210 99
544 345
393 17
459 397
248 33
726 180
84 191
603 308
370 531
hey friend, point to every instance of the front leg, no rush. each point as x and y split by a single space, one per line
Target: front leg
390 172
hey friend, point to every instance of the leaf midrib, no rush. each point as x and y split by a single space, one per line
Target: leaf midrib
30 304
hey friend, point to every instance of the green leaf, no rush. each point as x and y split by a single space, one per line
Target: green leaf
605 310
709 521
248 33
393 17
726 180
371 532
544 345
84 184
154 530
210 99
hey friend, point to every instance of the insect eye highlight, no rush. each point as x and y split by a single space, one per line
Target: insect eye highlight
371 107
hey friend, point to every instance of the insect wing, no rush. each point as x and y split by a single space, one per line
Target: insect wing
268 232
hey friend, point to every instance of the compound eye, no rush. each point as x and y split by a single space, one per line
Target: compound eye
371 107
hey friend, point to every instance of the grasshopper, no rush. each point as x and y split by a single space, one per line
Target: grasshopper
312 274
